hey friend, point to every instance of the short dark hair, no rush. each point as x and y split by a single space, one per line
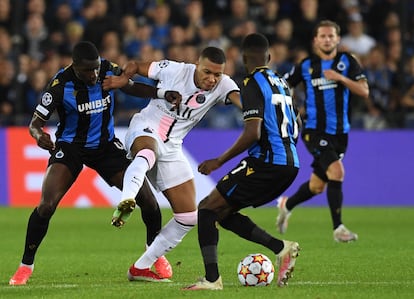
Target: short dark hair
326 23
214 54
255 41
84 50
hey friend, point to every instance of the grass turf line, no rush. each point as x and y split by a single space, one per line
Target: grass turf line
83 256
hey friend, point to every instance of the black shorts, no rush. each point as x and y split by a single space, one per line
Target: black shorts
325 149
254 183
107 161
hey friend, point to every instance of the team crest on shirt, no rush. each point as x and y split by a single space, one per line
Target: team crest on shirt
46 99
201 98
341 66
163 63
59 154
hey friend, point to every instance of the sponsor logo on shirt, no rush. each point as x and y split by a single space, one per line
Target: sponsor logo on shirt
323 83
96 106
250 112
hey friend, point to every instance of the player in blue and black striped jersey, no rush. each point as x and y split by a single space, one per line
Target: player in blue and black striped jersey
269 136
85 136
329 78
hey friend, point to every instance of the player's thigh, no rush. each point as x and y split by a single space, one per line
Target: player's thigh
216 202
170 171
64 166
56 183
57 180
182 197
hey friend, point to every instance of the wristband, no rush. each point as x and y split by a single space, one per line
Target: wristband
161 93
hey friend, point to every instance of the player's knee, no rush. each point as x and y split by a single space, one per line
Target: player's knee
189 218
335 171
316 189
203 204
148 155
316 186
46 210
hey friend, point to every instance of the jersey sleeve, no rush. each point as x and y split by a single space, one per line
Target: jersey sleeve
252 100
294 76
355 71
51 98
115 69
227 87
109 68
163 69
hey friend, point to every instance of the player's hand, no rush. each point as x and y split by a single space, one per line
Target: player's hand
332 75
208 166
44 141
173 97
113 82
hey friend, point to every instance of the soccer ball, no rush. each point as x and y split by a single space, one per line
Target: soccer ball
255 270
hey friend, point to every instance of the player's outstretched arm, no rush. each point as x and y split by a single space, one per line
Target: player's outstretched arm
251 133
42 138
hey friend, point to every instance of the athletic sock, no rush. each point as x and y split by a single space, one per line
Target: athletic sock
168 238
208 236
247 229
335 197
303 194
36 230
134 177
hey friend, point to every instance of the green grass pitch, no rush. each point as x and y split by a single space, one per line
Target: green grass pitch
83 256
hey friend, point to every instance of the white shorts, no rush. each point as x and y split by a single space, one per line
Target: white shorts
171 167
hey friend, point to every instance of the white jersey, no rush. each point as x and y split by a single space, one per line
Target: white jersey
173 125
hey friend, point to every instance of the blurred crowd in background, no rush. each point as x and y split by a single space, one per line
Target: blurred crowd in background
37 36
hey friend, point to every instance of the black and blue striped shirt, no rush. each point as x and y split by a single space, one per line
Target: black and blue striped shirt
327 102
266 95
85 112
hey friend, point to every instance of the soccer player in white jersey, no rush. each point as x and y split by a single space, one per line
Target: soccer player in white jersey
154 143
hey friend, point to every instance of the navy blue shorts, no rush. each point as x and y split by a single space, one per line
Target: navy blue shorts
107 161
325 149
254 183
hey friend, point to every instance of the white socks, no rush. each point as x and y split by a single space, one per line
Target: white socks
169 237
134 177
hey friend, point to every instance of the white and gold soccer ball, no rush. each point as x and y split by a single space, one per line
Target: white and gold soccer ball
255 270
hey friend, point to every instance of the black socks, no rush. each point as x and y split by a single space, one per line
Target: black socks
36 231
